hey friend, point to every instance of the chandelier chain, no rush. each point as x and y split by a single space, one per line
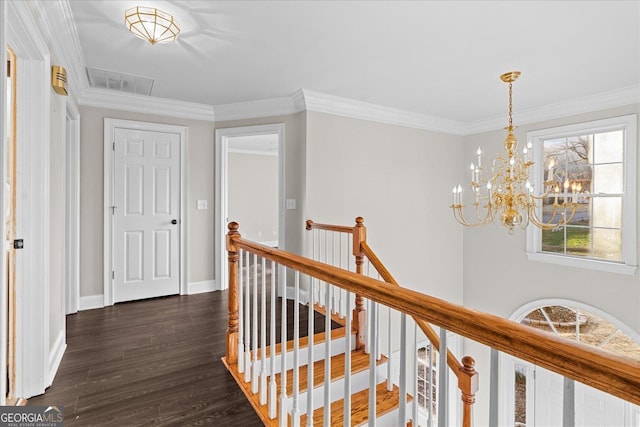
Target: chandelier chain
510 105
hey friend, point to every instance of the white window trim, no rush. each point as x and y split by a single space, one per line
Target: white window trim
629 264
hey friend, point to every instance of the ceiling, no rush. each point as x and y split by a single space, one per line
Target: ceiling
437 58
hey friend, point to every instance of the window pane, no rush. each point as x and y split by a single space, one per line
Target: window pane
579 149
607 178
582 215
607 212
581 175
554 156
607 244
578 241
553 241
608 147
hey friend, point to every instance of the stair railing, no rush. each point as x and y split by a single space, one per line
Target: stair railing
610 373
464 372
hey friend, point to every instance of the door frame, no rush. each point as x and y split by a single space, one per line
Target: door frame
33 351
72 208
110 126
222 137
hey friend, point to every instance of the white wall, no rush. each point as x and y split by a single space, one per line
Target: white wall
399 180
253 195
498 278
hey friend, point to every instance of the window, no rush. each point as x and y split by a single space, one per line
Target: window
593 166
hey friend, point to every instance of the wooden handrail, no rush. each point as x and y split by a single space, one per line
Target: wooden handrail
616 375
453 363
339 228
464 372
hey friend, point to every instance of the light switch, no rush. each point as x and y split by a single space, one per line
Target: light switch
291 203
202 204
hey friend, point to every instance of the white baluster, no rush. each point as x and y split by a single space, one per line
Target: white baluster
402 412
283 418
272 380
414 415
389 379
310 358
372 366
377 328
327 358
430 399
254 336
443 382
263 335
240 313
247 320
347 363
295 411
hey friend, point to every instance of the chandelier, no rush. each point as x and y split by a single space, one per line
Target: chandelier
152 25
507 197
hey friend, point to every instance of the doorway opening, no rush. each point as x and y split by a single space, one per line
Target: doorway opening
249 188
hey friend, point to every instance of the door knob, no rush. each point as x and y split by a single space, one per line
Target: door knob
174 221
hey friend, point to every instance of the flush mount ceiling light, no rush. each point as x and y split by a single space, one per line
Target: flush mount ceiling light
151 24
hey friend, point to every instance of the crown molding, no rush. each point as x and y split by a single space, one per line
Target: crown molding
586 104
331 104
64 46
103 98
260 108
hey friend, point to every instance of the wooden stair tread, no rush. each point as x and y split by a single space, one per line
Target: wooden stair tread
386 401
359 363
304 341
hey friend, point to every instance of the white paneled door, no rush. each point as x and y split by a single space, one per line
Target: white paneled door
146 210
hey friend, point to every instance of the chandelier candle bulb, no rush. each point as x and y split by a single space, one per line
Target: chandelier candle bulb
479 153
472 167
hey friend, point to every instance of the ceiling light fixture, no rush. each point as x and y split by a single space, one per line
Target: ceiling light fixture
508 196
151 24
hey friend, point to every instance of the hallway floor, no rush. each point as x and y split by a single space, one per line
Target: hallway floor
152 362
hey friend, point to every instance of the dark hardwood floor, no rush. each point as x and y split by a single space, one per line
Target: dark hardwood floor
152 362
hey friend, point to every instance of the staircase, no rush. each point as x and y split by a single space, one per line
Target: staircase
354 382
386 401
341 347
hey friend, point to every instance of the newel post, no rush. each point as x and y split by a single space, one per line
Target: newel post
359 314
468 385
232 329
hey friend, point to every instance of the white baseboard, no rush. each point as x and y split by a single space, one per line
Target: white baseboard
201 287
55 357
90 302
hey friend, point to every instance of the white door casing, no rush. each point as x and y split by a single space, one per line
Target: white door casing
222 142
145 190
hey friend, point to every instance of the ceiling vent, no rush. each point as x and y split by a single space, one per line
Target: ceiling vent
122 82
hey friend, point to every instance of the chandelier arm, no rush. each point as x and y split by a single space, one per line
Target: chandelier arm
533 218
459 216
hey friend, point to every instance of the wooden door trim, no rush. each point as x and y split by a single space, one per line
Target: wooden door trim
109 137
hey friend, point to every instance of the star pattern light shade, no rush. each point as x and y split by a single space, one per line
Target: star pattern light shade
151 24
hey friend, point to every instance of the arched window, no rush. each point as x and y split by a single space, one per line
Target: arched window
538 394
